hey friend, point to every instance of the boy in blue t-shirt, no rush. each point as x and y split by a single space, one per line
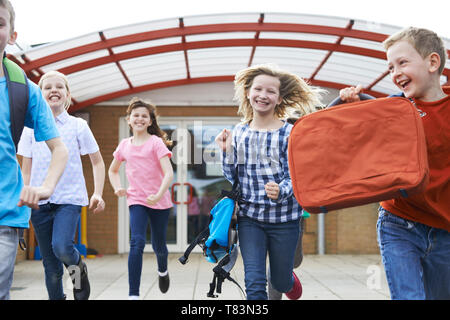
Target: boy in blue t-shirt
15 199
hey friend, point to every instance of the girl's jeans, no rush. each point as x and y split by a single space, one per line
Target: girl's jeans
256 240
55 226
416 258
139 216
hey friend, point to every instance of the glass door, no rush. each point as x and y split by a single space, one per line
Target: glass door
199 179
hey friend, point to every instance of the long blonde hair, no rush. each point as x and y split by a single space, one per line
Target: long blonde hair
66 84
297 96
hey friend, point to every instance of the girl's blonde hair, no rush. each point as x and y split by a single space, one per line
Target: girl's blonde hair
297 96
66 84
154 127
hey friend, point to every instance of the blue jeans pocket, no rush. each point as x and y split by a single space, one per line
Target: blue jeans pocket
390 220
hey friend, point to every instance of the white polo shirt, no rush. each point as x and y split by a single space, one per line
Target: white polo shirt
79 140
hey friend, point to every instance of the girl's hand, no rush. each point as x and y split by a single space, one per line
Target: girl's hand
153 199
272 190
97 202
350 94
121 192
224 139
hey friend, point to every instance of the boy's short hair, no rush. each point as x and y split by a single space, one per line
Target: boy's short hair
12 15
424 41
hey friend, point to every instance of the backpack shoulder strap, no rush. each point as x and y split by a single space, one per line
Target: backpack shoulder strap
17 85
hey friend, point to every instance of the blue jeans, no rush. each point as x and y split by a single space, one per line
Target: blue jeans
139 216
416 258
256 240
55 226
9 241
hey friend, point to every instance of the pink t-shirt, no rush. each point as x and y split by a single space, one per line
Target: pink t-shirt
144 170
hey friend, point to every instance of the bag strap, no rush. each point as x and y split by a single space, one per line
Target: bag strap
220 274
22 242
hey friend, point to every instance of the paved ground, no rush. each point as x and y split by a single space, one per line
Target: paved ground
324 277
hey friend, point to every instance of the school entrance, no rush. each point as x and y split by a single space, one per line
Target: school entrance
197 183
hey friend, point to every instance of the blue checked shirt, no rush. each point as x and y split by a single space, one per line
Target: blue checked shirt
259 157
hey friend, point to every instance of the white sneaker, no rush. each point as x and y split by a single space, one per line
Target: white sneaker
133 298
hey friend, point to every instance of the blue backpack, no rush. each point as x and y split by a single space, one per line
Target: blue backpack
219 240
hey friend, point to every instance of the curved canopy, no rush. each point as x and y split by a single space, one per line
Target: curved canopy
328 51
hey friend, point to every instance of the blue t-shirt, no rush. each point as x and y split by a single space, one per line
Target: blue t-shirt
39 117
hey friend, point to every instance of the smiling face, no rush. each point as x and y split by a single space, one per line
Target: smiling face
56 93
264 94
409 71
139 120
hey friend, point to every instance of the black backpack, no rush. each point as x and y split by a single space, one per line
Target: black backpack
17 84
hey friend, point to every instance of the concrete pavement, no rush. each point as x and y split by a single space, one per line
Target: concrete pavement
323 277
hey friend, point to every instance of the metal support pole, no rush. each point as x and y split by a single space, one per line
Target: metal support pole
321 234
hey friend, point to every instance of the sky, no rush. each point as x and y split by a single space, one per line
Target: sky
41 21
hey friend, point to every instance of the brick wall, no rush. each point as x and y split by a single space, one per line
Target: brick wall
102 228
347 231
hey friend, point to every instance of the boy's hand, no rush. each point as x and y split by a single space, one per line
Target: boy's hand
120 192
272 190
350 94
97 202
30 196
224 139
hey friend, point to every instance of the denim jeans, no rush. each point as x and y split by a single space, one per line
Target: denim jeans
9 241
298 258
139 216
416 258
55 226
278 240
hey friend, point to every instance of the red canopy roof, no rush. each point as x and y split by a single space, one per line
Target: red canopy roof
328 51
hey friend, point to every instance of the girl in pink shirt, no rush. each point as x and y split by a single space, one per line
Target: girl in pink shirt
149 173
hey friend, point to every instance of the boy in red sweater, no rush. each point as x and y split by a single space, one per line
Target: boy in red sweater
414 232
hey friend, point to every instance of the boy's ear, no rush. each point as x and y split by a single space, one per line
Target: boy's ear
434 62
12 38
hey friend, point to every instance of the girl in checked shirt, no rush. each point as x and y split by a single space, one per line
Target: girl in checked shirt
255 153
56 220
